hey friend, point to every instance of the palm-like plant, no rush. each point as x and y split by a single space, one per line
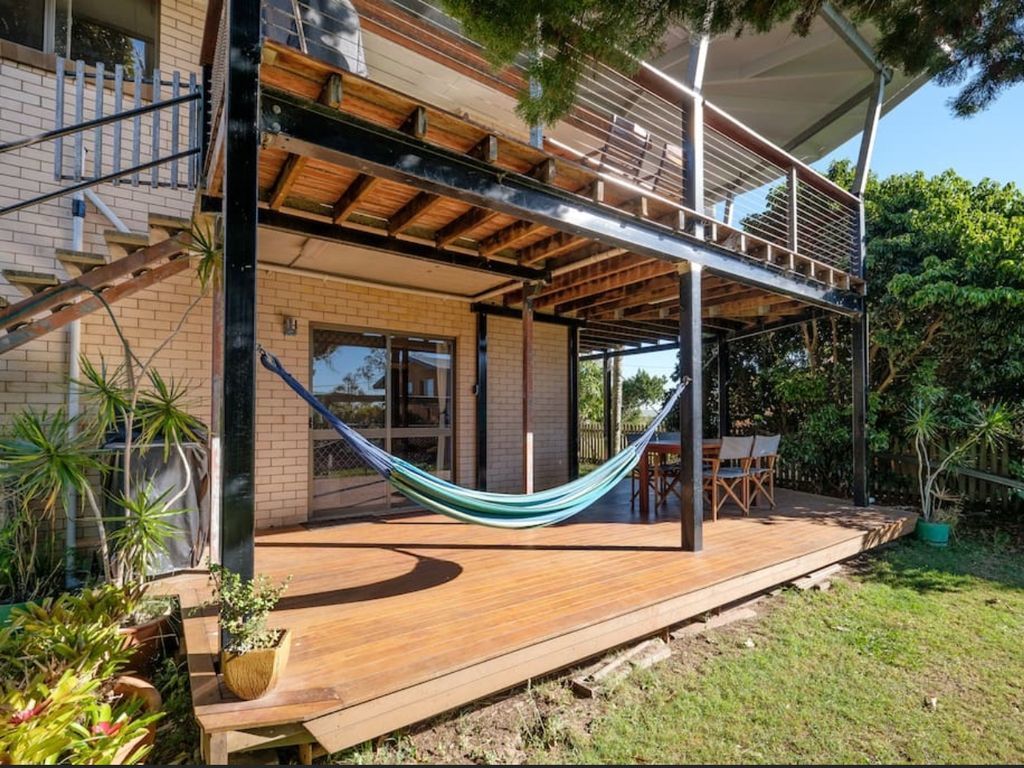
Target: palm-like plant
142 535
934 419
47 456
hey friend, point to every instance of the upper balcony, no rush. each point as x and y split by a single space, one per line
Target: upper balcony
783 233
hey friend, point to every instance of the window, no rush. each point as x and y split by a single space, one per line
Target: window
122 32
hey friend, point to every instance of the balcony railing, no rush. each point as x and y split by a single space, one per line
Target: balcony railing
757 198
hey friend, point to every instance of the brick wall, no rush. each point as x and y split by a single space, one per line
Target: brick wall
36 373
505 405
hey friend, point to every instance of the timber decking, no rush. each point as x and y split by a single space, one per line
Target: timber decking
399 619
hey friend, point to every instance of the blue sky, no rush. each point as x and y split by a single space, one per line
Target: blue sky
922 134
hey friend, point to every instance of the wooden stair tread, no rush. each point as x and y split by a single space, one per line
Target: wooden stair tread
30 282
124 243
165 221
79 262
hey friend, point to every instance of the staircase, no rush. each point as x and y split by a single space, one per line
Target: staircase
133 261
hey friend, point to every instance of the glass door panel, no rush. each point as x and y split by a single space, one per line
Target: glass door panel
397 391
350 378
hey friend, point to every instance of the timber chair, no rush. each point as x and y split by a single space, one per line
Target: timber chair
625 149
667 178
666 473
727 475
762 468
634 476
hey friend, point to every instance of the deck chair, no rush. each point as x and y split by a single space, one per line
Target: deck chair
727 475
667 178
762 468
666 473
625 148
634 476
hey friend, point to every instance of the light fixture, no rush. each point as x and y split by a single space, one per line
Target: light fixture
291 325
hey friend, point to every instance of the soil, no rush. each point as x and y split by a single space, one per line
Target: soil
544 715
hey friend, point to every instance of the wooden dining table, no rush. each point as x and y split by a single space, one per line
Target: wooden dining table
658 450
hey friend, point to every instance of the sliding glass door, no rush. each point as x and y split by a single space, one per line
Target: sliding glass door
396 391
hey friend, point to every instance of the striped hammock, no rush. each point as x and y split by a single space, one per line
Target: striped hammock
498 510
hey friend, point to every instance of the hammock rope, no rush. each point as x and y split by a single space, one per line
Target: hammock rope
498 510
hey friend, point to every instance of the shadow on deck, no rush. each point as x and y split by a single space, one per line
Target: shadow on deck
398 619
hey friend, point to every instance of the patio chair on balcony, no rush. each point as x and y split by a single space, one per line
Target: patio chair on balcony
727 475
624 150
762 469
667 178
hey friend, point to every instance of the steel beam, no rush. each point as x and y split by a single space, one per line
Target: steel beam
241 198
691 411
306 128
325 230
867 139
849 34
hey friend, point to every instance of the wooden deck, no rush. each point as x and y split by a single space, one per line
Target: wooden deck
399 619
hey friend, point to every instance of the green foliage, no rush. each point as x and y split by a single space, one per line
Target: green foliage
982 38
591 387
178 735
57 659
45 456
244 608
640 390
142 533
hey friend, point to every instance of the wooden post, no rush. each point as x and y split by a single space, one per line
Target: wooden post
528 391
691 416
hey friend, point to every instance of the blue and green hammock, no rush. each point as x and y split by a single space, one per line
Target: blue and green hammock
498 510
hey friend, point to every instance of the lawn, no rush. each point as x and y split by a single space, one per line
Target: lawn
916 656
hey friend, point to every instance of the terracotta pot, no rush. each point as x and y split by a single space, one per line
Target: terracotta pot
137 688
146 641
251 674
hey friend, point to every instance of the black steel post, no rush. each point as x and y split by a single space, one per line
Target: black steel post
574 402
241 189
724 412
859 346
606 384
691 413
481 401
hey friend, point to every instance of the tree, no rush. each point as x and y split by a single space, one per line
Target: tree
946 307
980 42
640 390
591 392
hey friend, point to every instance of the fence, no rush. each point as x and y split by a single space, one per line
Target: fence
985 481
592 447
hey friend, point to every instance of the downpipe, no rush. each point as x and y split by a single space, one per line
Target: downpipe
73 403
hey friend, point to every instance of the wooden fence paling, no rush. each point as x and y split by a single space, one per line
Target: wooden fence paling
984 481
592 449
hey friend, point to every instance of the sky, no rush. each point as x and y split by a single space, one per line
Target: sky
922 134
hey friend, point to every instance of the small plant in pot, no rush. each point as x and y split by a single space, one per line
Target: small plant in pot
945 431
254 654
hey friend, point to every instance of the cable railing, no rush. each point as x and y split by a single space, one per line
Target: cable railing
630 129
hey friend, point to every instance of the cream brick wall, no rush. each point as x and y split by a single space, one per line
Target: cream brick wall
505 405
36 373
282 453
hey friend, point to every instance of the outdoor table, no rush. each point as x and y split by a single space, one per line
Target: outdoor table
659 449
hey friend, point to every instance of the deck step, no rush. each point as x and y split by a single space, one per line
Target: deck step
122 244
30 283
163 226
79 262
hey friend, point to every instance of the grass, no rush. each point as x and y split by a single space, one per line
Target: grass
917 659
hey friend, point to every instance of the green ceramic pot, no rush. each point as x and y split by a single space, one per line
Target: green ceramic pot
936 534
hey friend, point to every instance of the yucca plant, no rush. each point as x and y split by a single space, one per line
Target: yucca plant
142 535
46 456
944 430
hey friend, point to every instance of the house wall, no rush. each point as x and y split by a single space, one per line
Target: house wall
505 405
36 373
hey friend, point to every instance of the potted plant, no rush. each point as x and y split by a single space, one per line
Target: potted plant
254 655
945 430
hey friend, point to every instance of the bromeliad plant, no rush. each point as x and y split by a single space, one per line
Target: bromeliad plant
945 430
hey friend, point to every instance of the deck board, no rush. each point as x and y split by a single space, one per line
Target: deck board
401 618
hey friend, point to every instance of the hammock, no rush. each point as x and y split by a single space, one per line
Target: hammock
498 510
